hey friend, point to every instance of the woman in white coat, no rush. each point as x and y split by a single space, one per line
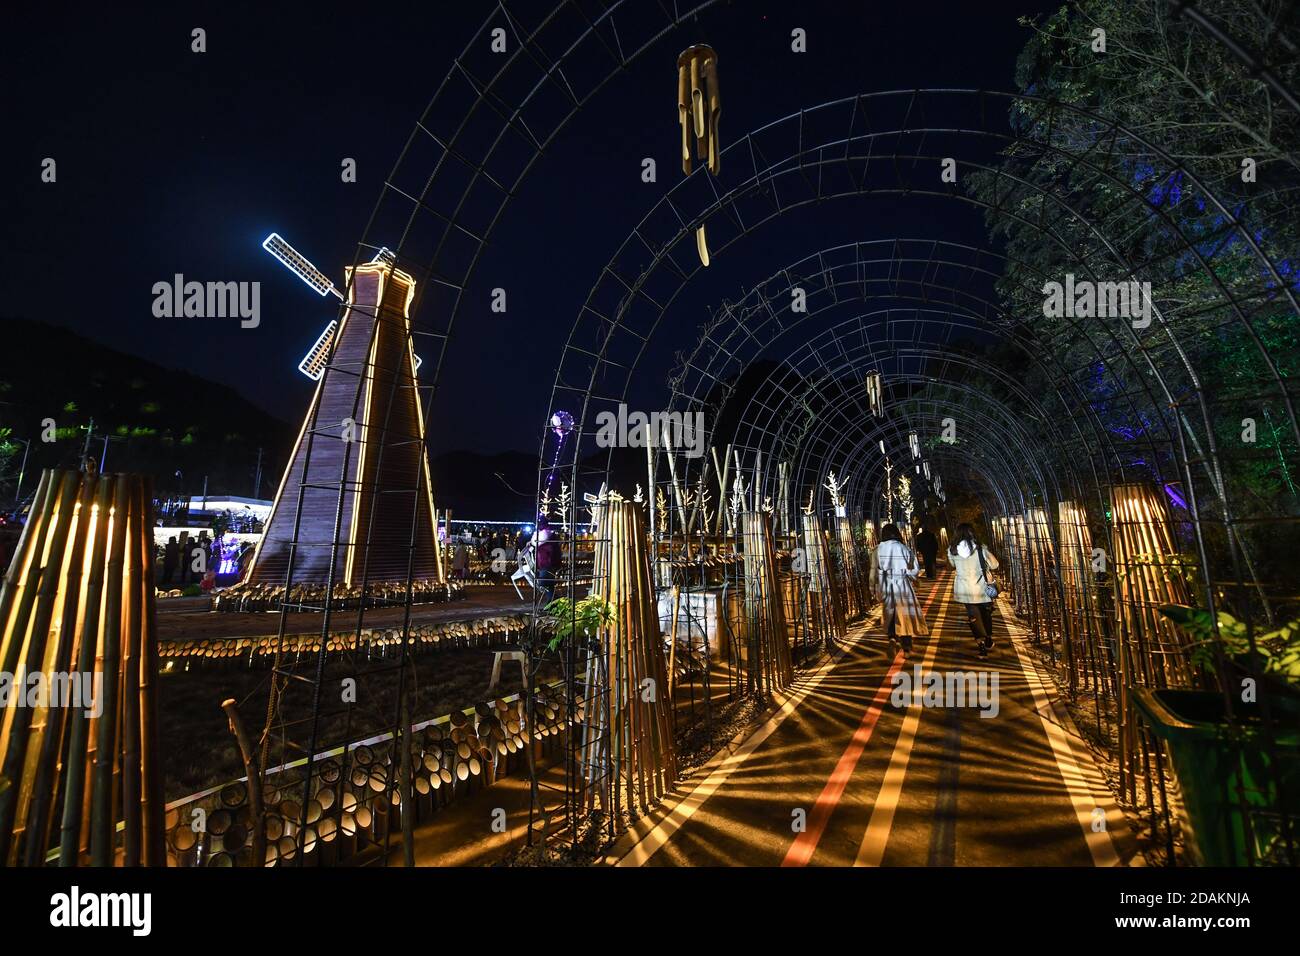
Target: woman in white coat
972 563
895 568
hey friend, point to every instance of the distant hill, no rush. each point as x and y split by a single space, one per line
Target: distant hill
160 420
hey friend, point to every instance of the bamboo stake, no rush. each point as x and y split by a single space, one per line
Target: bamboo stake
102 818
78 755
41 608
723 496
129 773
38 812
672 643
256 807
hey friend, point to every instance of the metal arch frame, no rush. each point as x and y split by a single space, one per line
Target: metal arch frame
635 289
455 224
816 452
856 291
492 94
1188 9
863 355
836 444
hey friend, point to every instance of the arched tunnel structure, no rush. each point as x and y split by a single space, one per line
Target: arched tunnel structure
1099 455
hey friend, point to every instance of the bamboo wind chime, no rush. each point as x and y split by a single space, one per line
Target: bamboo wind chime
628 751
699 107
77 608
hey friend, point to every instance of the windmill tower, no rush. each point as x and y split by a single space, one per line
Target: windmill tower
356 496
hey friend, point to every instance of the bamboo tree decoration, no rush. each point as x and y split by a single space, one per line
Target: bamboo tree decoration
77 607
628 750
768 667
824 593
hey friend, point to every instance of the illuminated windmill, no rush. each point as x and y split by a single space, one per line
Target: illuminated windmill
313 363
357 492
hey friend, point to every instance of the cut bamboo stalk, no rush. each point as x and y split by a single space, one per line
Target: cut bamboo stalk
18 727
43 792
129 764
258 815
102 809
78 755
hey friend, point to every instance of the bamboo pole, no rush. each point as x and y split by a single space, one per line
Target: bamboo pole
37 827
129 764
102 816
722 483
257 810
19 719
79 732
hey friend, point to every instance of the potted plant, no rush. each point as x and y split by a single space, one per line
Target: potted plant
564 617
1223 762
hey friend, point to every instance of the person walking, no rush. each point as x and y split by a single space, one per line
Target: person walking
927 545
894 569
546 552
971 585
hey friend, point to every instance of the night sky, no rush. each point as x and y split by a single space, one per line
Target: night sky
171 161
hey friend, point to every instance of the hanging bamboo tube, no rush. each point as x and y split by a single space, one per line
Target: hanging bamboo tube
77 609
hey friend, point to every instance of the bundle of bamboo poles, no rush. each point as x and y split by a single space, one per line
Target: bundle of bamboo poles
1152 652
1079 620
853 584
77 607
628 752
1045 613
768 667
826 597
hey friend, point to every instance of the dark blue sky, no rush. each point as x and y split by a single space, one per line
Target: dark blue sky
171 161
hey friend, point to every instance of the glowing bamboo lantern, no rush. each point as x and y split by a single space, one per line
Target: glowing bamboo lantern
1077 583
628 751
77 608
1152 652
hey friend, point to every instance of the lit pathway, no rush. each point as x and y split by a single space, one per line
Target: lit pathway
839 776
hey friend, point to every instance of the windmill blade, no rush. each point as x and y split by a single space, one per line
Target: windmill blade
299 265
313 363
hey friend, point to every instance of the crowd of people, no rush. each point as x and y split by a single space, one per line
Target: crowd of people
202 559
481 545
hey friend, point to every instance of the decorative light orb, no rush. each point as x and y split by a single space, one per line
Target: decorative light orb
561 424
